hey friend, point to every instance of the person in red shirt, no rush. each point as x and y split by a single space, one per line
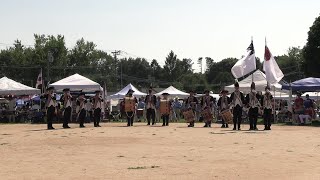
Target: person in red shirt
298 104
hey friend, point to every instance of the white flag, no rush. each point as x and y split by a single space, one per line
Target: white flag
245 65
271 68
39 80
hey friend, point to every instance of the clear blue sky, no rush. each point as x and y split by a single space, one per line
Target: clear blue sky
151 28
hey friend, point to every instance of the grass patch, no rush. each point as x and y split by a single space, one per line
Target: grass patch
155 167
120 156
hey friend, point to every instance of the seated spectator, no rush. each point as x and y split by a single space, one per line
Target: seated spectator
308 106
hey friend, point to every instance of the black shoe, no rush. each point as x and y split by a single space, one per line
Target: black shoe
223 126
234 129
227 126
251 129
51 128
209 125
256 129
82 126
265 129
149 124
98 125
66 127
239 129
205 125
163 125
167 124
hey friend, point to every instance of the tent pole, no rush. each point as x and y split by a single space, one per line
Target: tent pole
274 105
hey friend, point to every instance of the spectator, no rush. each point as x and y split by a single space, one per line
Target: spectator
308 106
12 108
176 105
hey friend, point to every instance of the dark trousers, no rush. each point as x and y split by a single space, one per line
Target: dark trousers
50 116
96 116
253 117
165 119
82 117
237 116
224 123
267 115
66 116
151 114
130 117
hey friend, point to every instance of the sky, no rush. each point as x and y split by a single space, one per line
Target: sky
152 28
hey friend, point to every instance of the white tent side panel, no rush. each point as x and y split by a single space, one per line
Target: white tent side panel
9 86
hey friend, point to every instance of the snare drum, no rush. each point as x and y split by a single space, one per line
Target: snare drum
207 115
227 116
188 115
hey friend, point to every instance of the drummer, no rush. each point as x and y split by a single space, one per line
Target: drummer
223 104
191 103
207 102
165 116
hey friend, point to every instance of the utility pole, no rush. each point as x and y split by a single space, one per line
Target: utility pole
49 60
115 54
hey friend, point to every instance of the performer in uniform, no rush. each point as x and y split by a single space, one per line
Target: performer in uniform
266 102
252 100
81 101
191 102
97 105
237 101
130 114
151 101
51 106
167 104
207 103
223 104
66 100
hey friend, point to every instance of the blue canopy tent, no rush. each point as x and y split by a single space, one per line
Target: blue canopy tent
307 84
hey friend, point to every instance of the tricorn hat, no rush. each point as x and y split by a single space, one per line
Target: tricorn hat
206 91
130 91
97 91
66 89
224 91
82 94
165 94
50 88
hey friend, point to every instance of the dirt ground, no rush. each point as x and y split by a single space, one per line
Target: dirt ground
175 152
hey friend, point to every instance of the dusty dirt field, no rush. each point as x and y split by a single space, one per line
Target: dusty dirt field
175 152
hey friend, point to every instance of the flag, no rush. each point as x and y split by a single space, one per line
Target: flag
245 65
39 80
271 68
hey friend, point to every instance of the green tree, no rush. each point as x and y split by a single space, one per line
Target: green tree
311 52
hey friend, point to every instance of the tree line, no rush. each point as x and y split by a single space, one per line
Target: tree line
23 63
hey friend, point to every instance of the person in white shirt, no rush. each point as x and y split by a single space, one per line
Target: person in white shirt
237 101
12 108
252 100
51 106
150 102
266 102
66 100
97 106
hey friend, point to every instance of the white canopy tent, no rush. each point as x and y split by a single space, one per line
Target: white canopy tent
173 92
76 82
122 93
9 86
259 78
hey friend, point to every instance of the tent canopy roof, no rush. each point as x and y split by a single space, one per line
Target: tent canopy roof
9 86
125 90
173 92
76 82
307 84
259 78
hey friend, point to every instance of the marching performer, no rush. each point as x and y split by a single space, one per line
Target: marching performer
207 103
165 108
191 102
237 101
66 100
51 106
97 105
252 100
81 111
266 102
223 104
130 106
150 102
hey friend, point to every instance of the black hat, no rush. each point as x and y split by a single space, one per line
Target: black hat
191 91
50 88
267 87
66 89
224 91
82 94
97 91
130 91
206 91
165 94
253 85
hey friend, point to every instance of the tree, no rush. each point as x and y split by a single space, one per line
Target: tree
170 65
311 52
